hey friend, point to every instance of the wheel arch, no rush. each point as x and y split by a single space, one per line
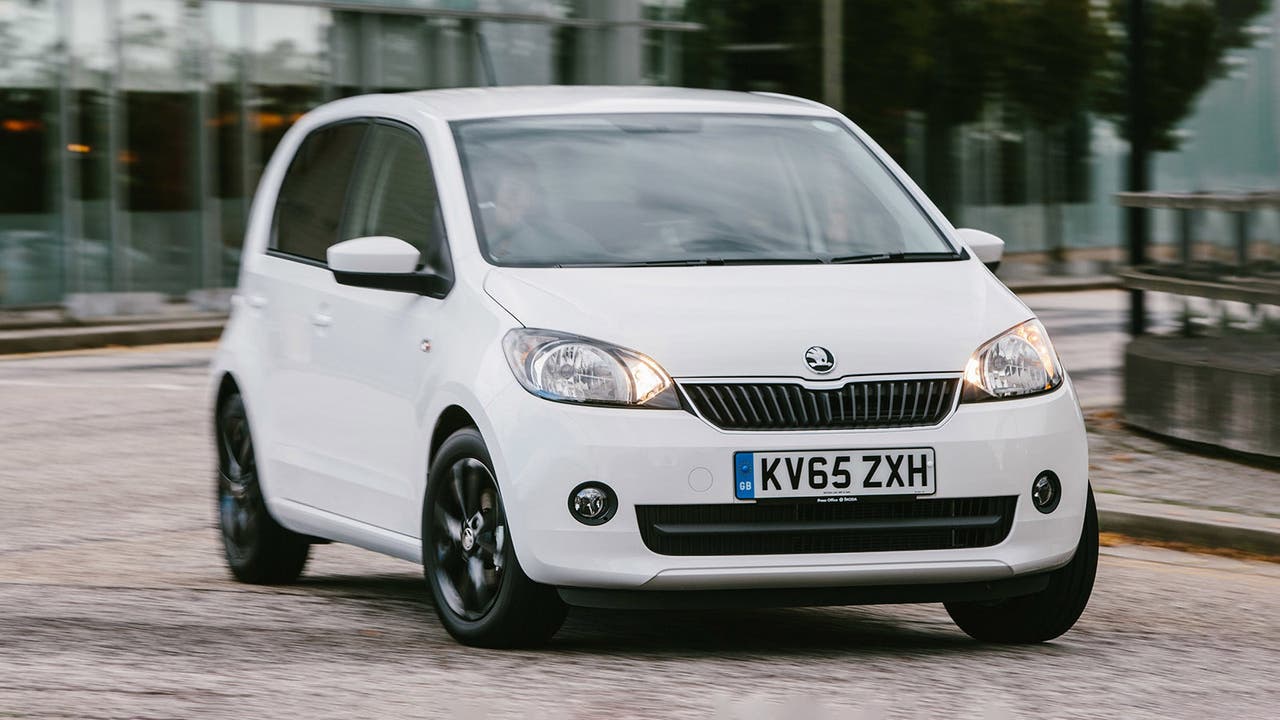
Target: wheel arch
450 420
455 410
227 386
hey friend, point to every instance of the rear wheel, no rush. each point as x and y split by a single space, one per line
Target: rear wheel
1046 614
258 549
481 594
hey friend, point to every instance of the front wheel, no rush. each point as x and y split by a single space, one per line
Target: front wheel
481 593
1044 615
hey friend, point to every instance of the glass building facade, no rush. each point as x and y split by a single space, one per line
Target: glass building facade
133 132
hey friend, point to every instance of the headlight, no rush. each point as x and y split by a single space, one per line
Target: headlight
568 368
1018 363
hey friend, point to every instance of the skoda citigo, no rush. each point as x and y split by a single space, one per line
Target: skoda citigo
640 348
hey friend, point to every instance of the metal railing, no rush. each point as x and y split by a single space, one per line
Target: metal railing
1248 273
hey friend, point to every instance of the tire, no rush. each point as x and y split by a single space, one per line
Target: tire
258 549
1047 614
482 596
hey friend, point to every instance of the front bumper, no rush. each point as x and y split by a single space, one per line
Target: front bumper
542 450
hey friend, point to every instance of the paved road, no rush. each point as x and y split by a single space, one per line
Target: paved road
114 603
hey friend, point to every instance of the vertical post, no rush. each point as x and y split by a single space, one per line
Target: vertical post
1242 237
464 57
486 59
248 148
209 268
1185 217
371 79
117 195
620 43
833 53
1137 178
68 175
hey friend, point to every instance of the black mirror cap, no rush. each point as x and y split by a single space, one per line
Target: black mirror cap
419 283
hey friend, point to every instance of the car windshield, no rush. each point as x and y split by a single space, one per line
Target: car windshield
675 189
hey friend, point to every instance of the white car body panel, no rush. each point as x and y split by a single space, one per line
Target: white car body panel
875 319
343 401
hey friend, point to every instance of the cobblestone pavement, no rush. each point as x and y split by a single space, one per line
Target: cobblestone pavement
114 603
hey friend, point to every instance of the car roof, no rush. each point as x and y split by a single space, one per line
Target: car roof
491 102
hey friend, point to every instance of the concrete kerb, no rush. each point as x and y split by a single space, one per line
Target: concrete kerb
82 338
1054 284
1165 522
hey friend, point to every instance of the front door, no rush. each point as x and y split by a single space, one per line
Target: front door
369 361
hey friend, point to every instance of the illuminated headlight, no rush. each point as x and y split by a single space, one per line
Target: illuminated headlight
1018 363
568 368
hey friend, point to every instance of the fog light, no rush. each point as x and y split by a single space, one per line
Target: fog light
592 503
1046 491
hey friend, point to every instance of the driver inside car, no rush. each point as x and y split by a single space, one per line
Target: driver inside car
520 225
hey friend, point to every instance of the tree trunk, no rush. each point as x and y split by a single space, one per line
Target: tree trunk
939 169
1049 198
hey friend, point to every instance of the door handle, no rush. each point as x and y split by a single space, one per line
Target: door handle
256 301
321 320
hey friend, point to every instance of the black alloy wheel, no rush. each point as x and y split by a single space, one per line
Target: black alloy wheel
258 549
470 539
481 593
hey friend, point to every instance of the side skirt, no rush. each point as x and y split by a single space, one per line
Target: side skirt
308 520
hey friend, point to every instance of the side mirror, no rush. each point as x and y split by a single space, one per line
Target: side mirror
986 246
383 263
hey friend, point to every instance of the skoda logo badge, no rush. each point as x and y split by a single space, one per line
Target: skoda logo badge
819 359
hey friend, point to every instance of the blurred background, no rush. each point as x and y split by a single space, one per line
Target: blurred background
132 132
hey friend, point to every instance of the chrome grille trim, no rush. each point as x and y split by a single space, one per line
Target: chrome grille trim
855 404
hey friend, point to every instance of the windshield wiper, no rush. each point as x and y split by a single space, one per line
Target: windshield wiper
891 257
773 261
638 263
697 261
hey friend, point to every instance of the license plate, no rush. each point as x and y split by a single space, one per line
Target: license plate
834 474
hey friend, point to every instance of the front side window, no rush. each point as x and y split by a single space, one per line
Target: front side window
393 193
686 189
309 207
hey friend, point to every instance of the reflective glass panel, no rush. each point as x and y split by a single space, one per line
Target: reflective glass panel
522 53
88 216
160 50
289 66
228 132
30 251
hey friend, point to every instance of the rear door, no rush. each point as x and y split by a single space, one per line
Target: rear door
289 298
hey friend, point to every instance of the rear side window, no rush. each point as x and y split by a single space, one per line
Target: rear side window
394 193
309 207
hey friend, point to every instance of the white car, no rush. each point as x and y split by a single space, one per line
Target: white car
640 347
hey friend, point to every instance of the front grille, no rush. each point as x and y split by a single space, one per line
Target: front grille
848 527
857 405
